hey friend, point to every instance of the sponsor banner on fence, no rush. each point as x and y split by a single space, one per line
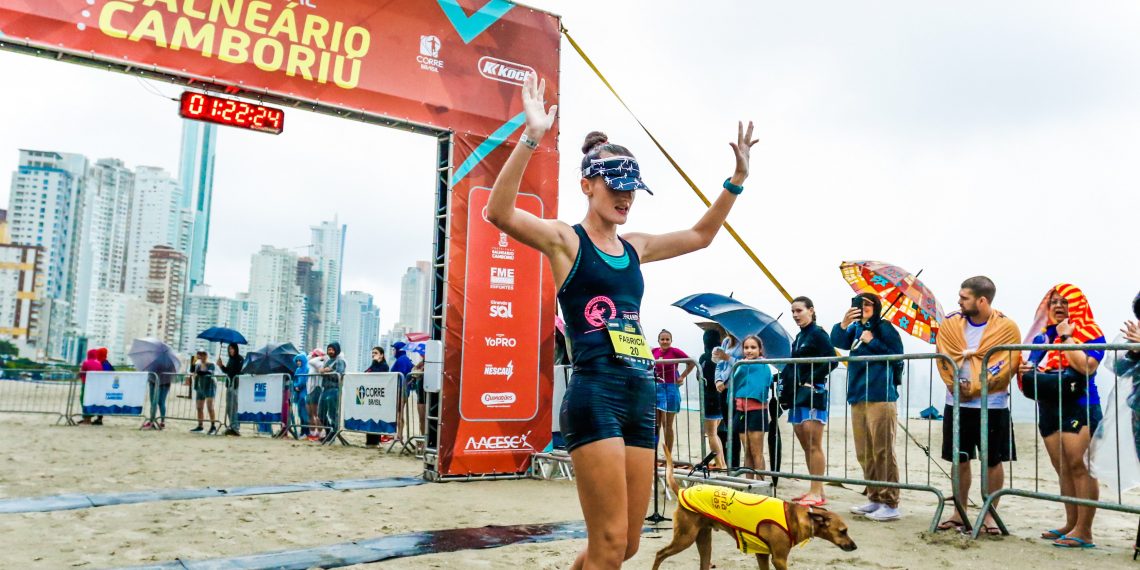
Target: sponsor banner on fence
259 398
368 402
115 393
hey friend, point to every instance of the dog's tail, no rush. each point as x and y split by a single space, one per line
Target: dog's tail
670 479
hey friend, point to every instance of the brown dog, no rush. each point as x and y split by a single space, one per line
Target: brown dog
762 525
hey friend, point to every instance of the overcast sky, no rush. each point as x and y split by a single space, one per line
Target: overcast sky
959 139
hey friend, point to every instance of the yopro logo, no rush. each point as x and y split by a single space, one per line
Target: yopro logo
493 443
501 341
503 70
502 310
492 370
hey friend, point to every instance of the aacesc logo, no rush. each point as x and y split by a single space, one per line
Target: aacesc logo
493 443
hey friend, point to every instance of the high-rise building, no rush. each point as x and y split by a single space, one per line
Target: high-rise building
155 214
414 288
196 176
3 226
119 318
327 251
359 329
309 280
102 235
165 288
273 286
204 311
45 205
21 275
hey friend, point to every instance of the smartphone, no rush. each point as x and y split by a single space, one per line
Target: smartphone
857 303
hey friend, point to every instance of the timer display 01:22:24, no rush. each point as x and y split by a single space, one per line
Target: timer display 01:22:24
233 113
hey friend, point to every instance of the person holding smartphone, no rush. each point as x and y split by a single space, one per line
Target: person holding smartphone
872 394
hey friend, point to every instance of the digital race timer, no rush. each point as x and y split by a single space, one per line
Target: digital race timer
229 112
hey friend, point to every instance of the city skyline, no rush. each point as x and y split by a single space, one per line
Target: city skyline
114 245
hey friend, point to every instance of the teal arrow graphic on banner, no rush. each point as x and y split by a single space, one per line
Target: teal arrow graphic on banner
469 27
487 146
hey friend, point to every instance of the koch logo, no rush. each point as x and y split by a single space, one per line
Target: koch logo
501 340
259 391
502 70
493 443
503 278
492 370
502 310
429 54
498 399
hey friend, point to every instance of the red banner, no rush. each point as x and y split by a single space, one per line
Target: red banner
502 316
455 65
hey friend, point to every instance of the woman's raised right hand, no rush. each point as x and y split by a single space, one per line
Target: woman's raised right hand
538 119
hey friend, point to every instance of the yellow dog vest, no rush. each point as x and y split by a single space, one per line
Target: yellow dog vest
740 511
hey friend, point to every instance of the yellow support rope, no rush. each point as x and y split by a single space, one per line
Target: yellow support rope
676 166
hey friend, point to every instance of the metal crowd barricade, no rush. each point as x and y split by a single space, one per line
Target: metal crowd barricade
113 410
235 414
1116 403
555 464
48 392
181 400
370 426
410 432
306 422
905 402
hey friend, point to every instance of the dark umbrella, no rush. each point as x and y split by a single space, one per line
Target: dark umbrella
273 358
153 355
222 334
740 320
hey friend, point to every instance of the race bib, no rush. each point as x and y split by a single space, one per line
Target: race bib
629 343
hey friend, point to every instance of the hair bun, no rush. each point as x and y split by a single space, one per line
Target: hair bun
594 139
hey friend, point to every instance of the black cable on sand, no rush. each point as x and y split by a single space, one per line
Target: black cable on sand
386 548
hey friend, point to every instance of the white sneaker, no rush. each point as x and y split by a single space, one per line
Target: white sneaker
867 509
884 514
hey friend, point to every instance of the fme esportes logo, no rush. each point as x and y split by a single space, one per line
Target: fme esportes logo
259 391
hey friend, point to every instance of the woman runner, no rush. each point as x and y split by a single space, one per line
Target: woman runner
608 410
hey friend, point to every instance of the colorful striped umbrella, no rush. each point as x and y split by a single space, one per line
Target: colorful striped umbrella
907 302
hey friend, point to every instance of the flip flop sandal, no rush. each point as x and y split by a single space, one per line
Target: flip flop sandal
1057 535
991 530
1059 543
952 525
811 502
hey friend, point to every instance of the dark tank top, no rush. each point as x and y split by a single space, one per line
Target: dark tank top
593 293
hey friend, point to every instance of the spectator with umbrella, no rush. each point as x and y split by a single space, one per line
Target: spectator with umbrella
867 330
232 368
156 357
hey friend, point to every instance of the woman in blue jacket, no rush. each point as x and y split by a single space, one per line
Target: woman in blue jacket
750 388
872 392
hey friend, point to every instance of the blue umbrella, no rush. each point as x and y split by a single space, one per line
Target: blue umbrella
222 334
740 320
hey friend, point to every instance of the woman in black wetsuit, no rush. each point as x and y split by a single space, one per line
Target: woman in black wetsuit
608 412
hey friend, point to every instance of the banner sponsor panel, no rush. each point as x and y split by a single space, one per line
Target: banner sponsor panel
441 63
368 402
260 398
110 393
453 65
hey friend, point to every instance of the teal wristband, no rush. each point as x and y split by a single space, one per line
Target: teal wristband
728 185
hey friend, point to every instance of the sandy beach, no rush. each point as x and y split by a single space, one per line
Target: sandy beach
42 459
